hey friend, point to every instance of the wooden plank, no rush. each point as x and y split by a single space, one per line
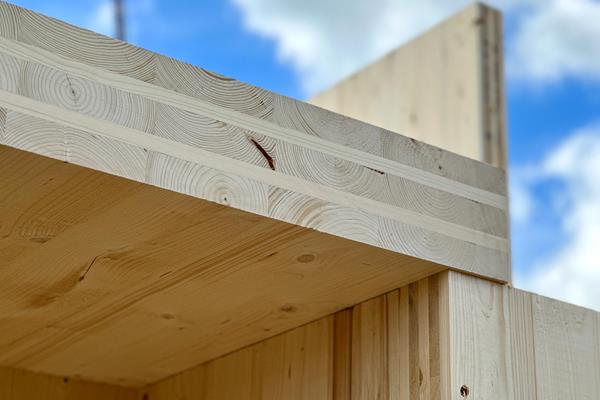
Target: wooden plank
509 344
135 107
479 367
342 355
445 88
369 350
398 322
567 357
522 355
23 385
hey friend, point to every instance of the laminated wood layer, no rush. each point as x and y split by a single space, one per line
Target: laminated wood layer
154 215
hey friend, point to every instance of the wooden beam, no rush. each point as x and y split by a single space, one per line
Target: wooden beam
155 215
107 105
445 87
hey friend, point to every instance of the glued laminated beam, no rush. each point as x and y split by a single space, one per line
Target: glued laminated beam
446 88
155 215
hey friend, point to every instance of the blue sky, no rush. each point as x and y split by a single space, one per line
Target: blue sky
297 47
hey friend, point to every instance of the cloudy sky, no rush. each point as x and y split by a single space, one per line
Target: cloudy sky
297 47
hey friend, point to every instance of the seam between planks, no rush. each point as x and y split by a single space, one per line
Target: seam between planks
172 148
165 96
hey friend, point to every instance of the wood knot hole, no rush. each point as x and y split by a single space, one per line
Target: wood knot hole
306 258
288 308
464 391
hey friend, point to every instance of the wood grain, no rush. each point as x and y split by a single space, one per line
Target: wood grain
448 336
158 266
444 87
510 344
567 357
155 215
24 385
478 342
384 348
145 103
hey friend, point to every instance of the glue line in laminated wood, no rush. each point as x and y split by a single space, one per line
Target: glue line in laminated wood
59 81
155 216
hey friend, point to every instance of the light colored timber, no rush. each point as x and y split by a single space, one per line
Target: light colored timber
385 348
123 282
510 344
392 185
445 88
449 336
154 216
23 385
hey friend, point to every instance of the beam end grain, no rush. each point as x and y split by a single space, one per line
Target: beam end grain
155 215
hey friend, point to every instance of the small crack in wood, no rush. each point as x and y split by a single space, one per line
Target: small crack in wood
376 170
265 154
82 277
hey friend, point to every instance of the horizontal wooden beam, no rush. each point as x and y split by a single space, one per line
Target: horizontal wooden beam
155 215
83 85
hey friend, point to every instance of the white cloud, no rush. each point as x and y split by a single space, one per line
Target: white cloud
326 40
522 202
560 37
571 272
